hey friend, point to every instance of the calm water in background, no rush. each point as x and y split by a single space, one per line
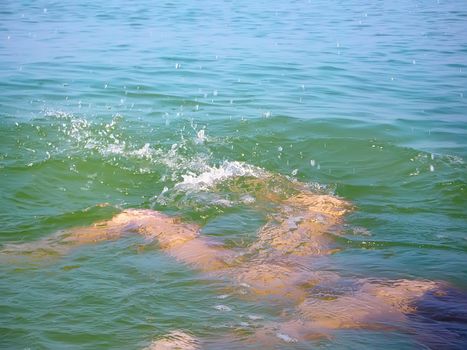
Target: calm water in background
119 103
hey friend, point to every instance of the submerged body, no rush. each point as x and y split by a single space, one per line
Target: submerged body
278 266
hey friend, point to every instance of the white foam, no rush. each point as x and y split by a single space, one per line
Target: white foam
113 149
247 199
223 308
143 152
286 338
222 202
223 296
215 175
255 317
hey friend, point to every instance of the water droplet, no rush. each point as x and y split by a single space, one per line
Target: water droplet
200 136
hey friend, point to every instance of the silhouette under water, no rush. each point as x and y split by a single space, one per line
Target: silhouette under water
279 266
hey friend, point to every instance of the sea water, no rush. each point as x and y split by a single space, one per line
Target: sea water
135 104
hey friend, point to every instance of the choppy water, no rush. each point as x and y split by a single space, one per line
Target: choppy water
144 105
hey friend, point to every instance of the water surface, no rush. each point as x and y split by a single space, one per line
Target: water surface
121 102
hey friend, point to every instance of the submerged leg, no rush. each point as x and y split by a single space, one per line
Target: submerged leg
364 304
375 305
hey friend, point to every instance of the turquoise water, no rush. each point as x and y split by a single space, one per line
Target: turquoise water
120 103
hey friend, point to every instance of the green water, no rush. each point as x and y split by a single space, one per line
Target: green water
155 106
